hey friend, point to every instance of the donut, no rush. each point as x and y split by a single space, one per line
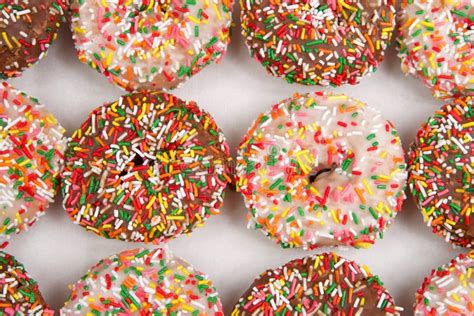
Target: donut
32 146
318 43
145 168
441 172
143 282
449 290
436 45
19 293
147 44
27 28
322 284
321 170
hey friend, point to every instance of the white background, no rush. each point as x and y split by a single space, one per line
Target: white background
57 253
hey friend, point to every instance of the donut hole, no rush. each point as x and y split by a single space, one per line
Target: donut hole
136 161
320 172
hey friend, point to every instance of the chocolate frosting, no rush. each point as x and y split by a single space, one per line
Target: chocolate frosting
27 29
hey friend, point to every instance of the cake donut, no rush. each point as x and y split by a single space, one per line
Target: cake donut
449 290
441 172
323 284
143 282
150 45
321 170
145 168
318 42
27 28
436 44
19 293
32 146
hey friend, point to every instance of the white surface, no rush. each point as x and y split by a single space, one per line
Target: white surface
56 252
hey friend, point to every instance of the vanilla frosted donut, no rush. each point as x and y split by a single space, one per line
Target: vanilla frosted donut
148 44
449 290
31 155
436 44
321 170
143 282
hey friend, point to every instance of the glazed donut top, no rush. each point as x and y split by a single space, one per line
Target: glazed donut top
143 282
19 294
321 170
436 43
327 42
27 29
31 155
441 171
449 290
145 168
324 284
150 44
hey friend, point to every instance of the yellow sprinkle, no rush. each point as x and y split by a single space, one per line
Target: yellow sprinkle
16 41
468 124
366 185
216 10
5 37
361 244
193 19
427 24
150 203
174 217
345 5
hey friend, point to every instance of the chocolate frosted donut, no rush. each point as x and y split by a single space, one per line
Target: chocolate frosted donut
324 284
318 42
145 168
441 172
19 294
27 29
